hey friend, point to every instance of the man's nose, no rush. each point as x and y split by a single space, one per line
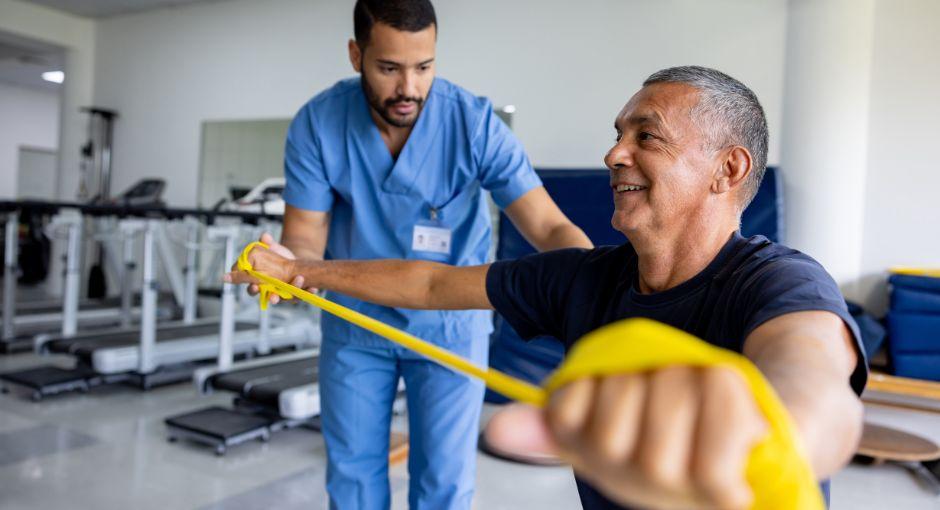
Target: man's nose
619 156
408 85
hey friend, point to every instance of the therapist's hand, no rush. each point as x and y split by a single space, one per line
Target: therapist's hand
276 261
678 437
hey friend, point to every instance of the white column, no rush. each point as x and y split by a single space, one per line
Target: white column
824 149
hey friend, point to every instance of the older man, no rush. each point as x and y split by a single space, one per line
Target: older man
689 155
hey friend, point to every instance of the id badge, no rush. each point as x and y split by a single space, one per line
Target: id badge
432 237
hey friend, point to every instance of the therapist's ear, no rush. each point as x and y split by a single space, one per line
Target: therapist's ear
355 55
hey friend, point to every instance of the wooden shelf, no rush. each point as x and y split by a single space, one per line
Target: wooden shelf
903 386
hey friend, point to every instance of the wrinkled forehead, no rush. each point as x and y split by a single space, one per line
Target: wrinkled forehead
668 104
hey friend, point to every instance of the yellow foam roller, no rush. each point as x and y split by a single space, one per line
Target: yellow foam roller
916 271
777 470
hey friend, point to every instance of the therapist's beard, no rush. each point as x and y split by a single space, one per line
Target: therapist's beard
383 108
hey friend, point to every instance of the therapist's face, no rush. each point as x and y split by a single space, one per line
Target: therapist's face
397 69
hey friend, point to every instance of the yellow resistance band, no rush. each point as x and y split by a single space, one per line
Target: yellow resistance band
777 469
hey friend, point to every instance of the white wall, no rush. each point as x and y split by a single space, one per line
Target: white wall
76 35
825 131
27 117
902 202
568 67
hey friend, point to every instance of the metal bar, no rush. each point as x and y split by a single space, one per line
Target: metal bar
191 272
127 278
148 318
170 266
73 277
227 318
10 255
264 331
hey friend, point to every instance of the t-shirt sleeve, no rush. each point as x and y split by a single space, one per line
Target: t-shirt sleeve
505 169
307 186
800 284
531 292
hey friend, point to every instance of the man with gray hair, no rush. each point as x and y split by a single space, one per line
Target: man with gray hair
690 149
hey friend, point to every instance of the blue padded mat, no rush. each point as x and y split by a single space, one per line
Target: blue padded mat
909 281
914 326
906 299
913 332
917 365
911 293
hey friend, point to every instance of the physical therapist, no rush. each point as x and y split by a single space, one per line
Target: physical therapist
393 164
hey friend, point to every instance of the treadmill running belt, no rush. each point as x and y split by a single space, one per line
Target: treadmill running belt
264 384
84 349
42 308
269 392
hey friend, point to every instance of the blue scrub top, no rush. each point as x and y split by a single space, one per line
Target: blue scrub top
336 161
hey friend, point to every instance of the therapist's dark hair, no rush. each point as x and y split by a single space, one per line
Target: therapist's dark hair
405 15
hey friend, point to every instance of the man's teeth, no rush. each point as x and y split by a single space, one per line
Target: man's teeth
628 187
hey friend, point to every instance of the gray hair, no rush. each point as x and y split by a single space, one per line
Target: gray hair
728 114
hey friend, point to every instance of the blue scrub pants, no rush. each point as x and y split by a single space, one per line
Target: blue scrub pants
357 387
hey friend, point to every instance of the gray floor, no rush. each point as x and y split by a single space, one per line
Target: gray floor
107 449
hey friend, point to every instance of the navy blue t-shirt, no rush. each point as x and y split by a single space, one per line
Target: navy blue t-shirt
569 293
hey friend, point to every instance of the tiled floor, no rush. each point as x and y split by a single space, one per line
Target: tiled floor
107 449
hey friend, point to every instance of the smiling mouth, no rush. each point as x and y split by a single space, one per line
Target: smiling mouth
622 188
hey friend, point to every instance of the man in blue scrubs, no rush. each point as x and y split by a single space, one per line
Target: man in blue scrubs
392 164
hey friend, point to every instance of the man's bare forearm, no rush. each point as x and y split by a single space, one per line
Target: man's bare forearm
400 283
826 411
303 248
809 367
305 232
566 235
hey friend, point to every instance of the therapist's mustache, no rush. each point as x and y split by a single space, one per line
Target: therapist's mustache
403 99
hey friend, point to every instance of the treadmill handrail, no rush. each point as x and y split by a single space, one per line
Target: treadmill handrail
123 210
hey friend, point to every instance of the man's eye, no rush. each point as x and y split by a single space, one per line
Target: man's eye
644 136
386 69
618 137
423 68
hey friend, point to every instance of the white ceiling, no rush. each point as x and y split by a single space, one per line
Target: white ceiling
22 62
105 8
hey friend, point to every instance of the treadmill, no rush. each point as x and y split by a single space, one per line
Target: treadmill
271 395
22 321
153 356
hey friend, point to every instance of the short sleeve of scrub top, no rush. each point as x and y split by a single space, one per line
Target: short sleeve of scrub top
505 169
307 186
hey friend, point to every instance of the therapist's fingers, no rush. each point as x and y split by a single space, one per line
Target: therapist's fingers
238 278
277 247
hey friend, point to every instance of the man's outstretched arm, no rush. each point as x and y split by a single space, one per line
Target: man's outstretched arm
388 282
808 358
680 437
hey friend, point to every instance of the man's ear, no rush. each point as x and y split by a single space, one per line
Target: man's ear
735 167
355 55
